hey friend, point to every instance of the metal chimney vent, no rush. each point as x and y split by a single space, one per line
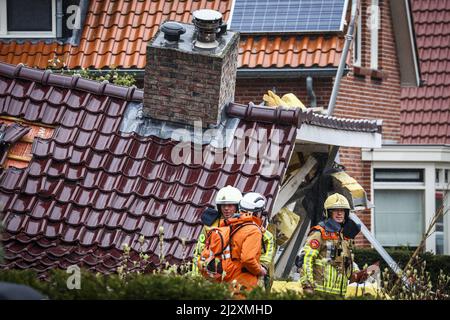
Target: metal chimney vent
172 31
208 25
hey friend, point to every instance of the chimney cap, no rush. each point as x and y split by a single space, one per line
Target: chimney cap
207 15
172 30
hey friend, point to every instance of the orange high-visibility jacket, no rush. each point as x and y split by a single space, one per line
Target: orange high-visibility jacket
246 250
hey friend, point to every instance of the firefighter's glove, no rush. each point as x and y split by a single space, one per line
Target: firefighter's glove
262 272
209 216
359 277
308 290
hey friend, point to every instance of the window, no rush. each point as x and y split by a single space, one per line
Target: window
398 175
27 19
439 225
374 25
399 199
399 217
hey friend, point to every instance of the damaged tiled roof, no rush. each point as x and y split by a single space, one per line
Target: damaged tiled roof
90 188
9 135
116 33
425 111
18 152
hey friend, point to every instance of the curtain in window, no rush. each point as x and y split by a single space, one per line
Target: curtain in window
399 217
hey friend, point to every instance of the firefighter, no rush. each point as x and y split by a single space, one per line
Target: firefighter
255 203
227 204
246 247
325 262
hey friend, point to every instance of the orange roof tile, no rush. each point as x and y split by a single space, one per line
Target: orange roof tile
116 33
425 113
20 153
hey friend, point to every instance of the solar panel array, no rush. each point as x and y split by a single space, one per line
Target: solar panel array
253 16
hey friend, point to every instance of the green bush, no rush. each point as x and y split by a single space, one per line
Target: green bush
137 286
157 286
112 75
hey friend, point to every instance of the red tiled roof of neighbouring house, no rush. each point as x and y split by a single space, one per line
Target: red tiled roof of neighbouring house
89 188
425 111
116 33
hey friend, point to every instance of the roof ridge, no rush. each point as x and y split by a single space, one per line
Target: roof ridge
296 117
47 77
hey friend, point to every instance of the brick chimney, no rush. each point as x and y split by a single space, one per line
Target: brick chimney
191 70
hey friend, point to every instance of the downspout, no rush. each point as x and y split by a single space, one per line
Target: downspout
337 82
310 91
59 18
342 63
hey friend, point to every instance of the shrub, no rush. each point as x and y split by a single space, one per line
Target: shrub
112 75
137 286
428 274
435 263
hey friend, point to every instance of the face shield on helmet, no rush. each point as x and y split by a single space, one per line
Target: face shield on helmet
253 202
228 196
336 201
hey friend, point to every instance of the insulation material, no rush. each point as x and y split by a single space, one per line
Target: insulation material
350 188
286 222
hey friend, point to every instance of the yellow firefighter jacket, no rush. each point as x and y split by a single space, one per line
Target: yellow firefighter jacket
327 261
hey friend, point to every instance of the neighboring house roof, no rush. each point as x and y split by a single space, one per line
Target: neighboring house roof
116 33
425 111
89 187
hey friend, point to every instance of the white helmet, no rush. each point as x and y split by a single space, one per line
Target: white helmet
253 202
228 195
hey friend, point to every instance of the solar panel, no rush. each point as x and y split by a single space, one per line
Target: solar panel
265 16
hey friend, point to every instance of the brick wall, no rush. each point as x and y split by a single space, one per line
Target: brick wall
186 86
253 89
363 96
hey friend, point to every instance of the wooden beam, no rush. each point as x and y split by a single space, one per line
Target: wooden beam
19 120
290 186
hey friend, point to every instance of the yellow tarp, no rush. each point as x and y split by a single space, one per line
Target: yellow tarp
289 100
285 221
352 290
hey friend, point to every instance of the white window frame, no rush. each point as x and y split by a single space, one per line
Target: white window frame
357 42
4 33
444 188
429 157
416 186
374 26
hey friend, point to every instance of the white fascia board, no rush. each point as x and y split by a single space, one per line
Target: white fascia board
408 153
413 43
336 137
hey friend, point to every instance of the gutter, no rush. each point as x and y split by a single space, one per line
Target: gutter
59 18
243 73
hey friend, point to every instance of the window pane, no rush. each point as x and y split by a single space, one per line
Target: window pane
398 175
439 224
399 217
26 15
